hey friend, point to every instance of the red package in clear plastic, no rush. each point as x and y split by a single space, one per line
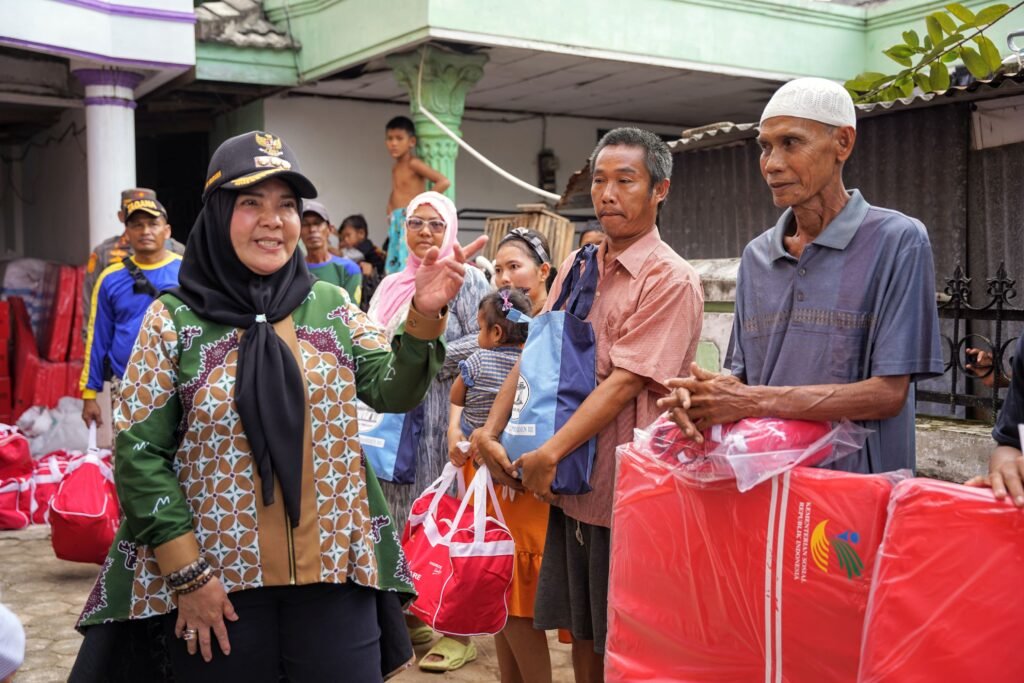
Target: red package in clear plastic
26 359
945 602
62 313
751 450
73 378
713 585
76 344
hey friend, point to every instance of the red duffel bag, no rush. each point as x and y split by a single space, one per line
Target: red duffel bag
15 458
944 602
15 503
84 514
461 559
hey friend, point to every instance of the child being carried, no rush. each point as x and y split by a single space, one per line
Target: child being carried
482 374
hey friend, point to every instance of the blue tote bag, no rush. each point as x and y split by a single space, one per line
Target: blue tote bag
389 442
557 372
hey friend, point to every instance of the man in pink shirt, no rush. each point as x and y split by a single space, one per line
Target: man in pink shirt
647 320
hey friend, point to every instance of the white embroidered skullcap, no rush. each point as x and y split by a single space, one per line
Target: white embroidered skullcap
816 99
12 643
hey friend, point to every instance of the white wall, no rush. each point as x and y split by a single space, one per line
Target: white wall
75 28
54 182
340 146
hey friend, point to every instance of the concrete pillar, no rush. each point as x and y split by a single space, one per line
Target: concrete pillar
110 145
447 77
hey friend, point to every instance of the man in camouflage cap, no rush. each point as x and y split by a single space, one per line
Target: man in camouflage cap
115 249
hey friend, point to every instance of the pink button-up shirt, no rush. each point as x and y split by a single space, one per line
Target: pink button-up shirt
647 319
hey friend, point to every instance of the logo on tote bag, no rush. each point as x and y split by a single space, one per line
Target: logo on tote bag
519 402
368 421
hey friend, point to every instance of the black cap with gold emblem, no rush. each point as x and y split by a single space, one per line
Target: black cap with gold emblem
248 159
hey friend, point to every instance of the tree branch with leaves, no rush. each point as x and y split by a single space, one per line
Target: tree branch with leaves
947 38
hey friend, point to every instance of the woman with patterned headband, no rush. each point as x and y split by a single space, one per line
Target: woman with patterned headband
255 534
523 262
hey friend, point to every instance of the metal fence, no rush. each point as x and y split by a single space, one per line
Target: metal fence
986 327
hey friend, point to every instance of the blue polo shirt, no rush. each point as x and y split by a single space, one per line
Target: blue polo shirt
115 317
1012 413
858 303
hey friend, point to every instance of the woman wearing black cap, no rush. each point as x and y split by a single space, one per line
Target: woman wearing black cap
253 527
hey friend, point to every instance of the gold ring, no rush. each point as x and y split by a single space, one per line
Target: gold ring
189 634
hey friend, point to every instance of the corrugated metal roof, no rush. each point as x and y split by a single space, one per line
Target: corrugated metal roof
1009 82
713 135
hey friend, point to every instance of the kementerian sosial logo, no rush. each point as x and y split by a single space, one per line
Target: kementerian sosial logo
824 545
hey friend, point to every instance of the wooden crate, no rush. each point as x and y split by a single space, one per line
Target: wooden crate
559 231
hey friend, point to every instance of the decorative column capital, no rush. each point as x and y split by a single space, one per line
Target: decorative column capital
447 77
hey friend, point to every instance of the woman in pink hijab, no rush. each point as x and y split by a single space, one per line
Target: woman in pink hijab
431 221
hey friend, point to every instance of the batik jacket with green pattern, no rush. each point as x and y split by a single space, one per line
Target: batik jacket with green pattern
187 480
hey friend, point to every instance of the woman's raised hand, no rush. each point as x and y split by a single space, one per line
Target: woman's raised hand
438 281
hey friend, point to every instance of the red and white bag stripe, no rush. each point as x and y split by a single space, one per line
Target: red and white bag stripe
461 559
50 470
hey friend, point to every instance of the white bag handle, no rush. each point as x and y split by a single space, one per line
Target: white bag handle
441 486
92 437
480 490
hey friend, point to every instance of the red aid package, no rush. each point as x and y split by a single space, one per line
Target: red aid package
15 503
751 450
944 600
461 560
84 515
711 584
15 457
57 334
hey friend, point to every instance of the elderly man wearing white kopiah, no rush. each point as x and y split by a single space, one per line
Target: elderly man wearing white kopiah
835 304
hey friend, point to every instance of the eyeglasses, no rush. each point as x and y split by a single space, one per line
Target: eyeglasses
414 224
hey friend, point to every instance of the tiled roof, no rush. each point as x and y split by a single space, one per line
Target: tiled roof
241 23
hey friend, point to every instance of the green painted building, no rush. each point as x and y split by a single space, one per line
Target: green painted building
667 64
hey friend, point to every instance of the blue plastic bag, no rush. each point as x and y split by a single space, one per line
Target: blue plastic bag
389 442
557 372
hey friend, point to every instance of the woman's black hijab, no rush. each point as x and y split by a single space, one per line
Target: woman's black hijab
269 390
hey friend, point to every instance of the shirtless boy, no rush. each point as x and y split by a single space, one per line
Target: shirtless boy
408 178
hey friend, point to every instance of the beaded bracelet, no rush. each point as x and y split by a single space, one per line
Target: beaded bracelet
187 574
185 586
198 583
